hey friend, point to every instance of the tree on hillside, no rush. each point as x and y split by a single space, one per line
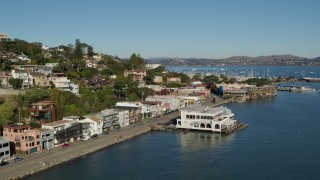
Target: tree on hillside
90 51
15 82
20 103
89 72
184 78
136 62
211 79
78 50
7 112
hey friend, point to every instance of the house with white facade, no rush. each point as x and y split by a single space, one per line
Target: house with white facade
123 117
134 109
63 83
197 117
47 139
4 149
96 124
24 76
151 109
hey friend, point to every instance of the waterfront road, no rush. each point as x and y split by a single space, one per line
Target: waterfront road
42 161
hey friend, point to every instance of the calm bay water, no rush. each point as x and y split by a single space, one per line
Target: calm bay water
282 142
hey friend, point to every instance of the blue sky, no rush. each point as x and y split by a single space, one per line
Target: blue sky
170 28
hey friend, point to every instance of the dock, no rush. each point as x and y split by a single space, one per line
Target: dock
242 127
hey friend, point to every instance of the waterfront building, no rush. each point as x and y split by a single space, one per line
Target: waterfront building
197 117
25 139
237 94
4 149
47 139
155 108
95 123
112 117
133 108
64 131
148 110
44 111
123 117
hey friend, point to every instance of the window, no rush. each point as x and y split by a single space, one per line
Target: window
5 144
188 117
198 117
26 144
7 152
1 154
38 136
38 142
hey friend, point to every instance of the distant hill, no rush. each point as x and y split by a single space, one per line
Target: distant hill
273 60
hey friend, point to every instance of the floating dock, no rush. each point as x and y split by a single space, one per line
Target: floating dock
242 127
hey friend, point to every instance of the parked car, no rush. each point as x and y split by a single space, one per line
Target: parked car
85 138
65 145
17 159
2 163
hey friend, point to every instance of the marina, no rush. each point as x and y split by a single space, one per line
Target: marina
309 73
294 88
